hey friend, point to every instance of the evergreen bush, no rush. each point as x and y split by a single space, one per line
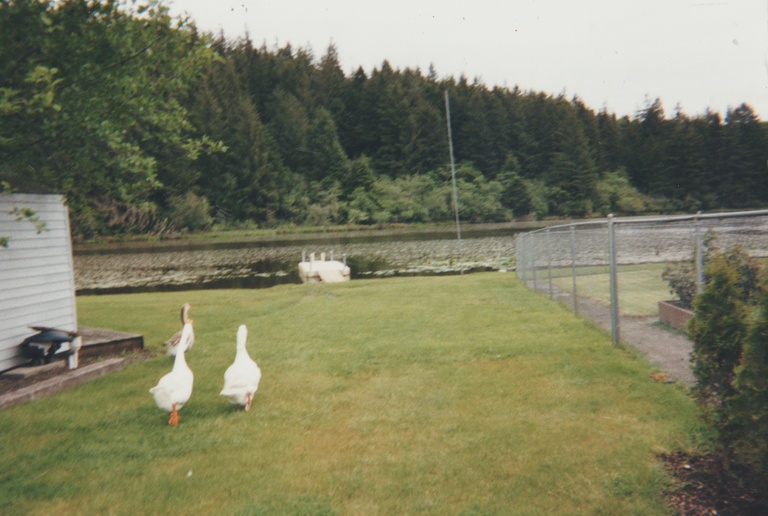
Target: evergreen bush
682 276
718 330
730 357
750 406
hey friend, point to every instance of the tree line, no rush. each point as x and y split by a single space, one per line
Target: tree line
146 125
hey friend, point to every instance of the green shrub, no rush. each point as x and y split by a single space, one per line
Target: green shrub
682 276
718 330
480 201
682 282
189 212
616 195
360 207
326 206
539 194
730 355
750 406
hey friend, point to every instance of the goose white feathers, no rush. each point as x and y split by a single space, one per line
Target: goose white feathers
172 344
241 380
174 389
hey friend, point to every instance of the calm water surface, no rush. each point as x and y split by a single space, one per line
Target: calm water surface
264 264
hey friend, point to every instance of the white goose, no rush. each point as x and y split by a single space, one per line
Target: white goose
172 344
174 389
241 379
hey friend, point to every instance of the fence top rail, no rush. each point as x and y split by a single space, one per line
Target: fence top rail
661 218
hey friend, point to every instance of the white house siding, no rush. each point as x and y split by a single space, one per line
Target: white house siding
37 286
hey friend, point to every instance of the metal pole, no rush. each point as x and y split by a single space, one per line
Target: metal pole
524 257
699 256
527 258
549 262
614 286
533 262
573 268
453 172
526 261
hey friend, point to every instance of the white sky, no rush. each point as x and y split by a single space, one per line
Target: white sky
613 54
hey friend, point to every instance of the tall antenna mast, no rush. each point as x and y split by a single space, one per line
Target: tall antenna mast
453 172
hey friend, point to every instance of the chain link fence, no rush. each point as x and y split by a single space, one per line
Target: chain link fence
620 261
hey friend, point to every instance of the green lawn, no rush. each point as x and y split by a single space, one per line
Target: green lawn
640 286
450 395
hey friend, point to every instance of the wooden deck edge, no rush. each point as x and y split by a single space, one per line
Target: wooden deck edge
133 343
61 382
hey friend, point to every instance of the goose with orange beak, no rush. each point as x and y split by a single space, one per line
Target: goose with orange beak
172 344
174 389
241 380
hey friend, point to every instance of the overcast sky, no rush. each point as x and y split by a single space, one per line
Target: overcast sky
613 54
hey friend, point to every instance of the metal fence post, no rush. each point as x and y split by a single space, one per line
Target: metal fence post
533 263
614 285
526 264
529 260
573 268
549 262
699 255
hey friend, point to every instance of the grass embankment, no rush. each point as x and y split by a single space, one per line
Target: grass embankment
450 395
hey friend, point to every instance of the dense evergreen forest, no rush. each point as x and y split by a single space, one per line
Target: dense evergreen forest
145 125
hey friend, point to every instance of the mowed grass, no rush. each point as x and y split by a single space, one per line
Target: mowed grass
451 395
641 287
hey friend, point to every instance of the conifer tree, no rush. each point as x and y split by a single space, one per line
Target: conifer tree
328 161
608 149
361 176
708 130
358 134
718 330
391 111
751 404
425 140
572 171
516 193
247 180
646 163
289 126
682 164
329 85
746 183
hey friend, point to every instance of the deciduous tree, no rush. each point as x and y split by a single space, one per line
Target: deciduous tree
90 98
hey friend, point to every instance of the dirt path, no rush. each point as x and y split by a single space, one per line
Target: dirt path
669 351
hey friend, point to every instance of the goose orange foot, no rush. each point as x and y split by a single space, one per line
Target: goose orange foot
174 419
248 403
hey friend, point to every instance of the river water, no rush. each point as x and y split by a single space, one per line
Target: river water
258 264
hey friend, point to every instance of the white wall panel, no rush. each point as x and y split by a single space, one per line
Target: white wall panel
37 285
